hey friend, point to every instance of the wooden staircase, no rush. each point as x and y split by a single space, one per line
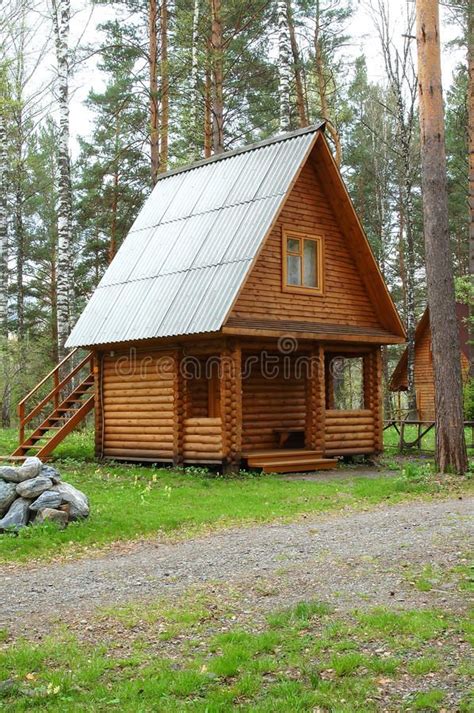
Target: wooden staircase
289 460
57 413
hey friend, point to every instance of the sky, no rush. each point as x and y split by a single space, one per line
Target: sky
362 30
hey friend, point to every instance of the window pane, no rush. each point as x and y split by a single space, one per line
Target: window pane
310 263
293 246
293 270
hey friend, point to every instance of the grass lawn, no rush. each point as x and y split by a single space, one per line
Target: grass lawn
194 658
130 502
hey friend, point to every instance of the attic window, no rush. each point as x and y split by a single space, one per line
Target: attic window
302 262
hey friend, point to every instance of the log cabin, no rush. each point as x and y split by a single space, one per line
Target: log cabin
423 367
216 335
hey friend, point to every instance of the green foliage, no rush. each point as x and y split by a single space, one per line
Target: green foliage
469 400
202 668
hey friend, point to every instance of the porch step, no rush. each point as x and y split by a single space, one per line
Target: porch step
298 466
255 458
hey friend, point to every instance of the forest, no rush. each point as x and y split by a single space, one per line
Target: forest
165 84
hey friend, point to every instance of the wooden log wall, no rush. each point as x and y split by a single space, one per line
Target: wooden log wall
271 403
138 400
202 442
345 300
349 432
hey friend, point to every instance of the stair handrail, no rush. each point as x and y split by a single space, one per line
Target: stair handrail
53 394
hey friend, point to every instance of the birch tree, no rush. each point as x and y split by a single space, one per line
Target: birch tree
61 17
3 205
284 67
450 442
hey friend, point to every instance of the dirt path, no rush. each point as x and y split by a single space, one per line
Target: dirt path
356 559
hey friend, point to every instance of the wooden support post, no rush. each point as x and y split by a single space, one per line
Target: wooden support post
315 401
231 406
377 399
180 391
372 368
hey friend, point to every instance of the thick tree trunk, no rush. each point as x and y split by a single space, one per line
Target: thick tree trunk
284 67
450 442
3 219
470 109
300 94
61 16
195 78
153 88
217 78
165 95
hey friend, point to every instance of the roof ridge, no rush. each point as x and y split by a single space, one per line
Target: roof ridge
243 149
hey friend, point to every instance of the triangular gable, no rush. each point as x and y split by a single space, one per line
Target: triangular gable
399 379
355 302
182 264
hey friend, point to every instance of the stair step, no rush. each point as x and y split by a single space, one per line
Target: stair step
282 455
298 466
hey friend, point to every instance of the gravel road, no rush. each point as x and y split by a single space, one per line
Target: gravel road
358 558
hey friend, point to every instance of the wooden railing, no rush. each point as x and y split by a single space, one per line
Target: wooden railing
54 395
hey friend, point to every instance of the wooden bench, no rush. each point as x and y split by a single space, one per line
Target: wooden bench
283 434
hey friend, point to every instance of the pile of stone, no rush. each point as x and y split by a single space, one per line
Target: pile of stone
35 493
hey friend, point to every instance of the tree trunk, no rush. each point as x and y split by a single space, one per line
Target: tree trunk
450 442
208 114
61 16
165 96
300 94
322 88
284 68
3 218
217 78
195 77
153 84
470 109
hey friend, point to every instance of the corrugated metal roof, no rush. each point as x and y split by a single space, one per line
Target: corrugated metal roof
191 246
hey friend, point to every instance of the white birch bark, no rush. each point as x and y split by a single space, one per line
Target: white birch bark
61 17
284 67
3 220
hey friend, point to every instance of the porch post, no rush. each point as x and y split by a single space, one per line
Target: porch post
231 406
98 415
179 390
316 401
373 393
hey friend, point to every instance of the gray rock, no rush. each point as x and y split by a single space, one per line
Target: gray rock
17 516
26 472
10 474
34 487
49 472
78 502
7 496
48 499
53 515
33 462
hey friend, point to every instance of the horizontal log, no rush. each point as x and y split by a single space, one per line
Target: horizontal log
210 456
202 430
110 401
348 451
159 421
138 390
138 438
188 439
349 444
336 413
136 431
202 422
354 428
349 436
147 454
202 447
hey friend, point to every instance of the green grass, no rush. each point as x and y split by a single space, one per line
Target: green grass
131 502
273 666
392 439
